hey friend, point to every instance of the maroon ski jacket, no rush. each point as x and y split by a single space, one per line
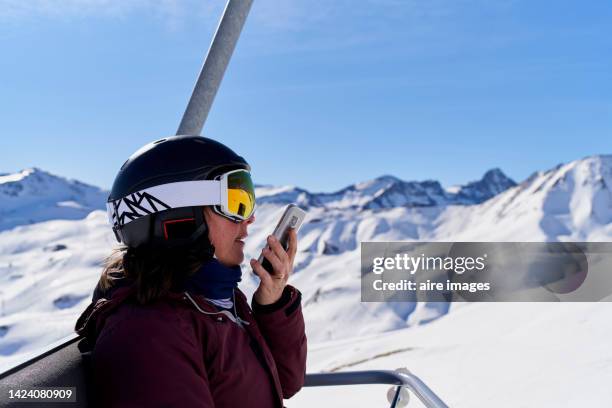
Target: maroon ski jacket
183 351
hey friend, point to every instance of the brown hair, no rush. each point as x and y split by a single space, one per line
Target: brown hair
154 271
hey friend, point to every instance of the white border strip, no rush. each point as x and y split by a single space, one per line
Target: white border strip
175 195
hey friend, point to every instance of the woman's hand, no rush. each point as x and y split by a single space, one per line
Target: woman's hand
271 285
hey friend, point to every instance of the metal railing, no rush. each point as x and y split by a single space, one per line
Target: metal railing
407 380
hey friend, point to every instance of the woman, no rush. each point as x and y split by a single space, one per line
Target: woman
168 326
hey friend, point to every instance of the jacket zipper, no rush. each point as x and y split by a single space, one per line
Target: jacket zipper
236 319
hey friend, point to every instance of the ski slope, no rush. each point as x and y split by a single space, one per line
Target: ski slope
502 355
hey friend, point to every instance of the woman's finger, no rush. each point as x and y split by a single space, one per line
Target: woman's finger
292 244
278 249
277 264
260 271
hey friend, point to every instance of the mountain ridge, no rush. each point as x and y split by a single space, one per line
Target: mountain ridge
35 195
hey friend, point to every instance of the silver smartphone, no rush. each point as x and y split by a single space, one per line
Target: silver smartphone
292 218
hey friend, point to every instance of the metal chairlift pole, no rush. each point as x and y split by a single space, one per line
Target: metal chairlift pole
215 64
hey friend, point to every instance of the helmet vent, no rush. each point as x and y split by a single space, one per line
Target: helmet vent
181 228
159 141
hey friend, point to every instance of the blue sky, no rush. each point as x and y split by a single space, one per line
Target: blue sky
319 94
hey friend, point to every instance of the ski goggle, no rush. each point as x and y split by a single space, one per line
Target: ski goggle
231 194
237 195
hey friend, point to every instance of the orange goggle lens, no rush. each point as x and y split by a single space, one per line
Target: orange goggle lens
240 194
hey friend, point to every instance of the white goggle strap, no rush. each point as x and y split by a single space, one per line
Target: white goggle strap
163 197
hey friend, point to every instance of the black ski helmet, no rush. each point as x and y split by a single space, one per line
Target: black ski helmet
141 219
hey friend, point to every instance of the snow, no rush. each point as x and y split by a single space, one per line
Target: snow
11 178
453 189
264 191
483 355
33 195
473 355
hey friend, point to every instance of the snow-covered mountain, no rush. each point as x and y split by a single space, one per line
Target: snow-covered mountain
390 192
48 269
492 183
571 202
33 195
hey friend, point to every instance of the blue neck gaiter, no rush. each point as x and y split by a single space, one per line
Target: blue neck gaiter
214 280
